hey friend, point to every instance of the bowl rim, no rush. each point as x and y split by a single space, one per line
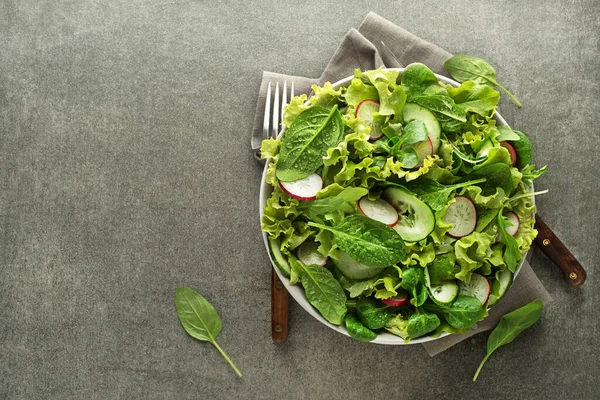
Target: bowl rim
298 294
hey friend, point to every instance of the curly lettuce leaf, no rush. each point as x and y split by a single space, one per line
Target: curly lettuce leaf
279 214
471 253
326 95
296 105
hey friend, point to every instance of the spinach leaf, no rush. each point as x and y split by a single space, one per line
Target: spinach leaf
497 176
413 281
357 330
373 313
368 241
442 105
464 68
435 194
306 142
344 201
442 268
415 131
200 319
462 314
479 99
418 79
324 293
505 133
509 328
397 138
523 149
421 323
512 253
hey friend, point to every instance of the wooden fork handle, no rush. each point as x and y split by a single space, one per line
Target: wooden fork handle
573 272
279 309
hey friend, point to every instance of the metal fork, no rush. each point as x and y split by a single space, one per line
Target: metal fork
279 295
274 114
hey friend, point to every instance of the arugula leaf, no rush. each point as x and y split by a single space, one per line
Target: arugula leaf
435 194
367 241
357 330
509 328
200 319
530 173
466 68
421 323
512 253
306 141
324 292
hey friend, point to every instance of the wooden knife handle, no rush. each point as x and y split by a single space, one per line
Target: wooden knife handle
279 309
573 272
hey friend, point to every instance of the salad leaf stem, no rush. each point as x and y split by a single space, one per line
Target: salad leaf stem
523 195
226 357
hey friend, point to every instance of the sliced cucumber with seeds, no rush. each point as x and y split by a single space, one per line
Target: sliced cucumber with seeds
445 293
413 111
353 269
500 286
308 253
415 218
279 259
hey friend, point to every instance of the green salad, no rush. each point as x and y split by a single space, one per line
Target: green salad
399 203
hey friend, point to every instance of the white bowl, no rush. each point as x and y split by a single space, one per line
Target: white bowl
298 293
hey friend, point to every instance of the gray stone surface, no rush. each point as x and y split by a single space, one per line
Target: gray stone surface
125 173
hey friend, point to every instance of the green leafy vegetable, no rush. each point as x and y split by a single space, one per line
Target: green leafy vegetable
200 319
357 330
435 194
421 323
497 176
368 241
324 292
462 314
373 313
512 253
306 141
523 149
417 80
442 105
442 268
509 328
464 68
413 281
479 99
344 202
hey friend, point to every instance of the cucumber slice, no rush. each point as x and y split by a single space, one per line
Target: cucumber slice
279 259
462 215
502 282
445 293
478 287
416 219
353 269
413 111
308 253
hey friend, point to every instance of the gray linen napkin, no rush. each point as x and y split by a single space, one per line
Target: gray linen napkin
361 49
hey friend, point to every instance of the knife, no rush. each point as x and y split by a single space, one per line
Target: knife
557 252
279 309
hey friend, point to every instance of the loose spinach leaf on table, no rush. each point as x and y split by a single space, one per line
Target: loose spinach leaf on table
200 319
512 253
435 194
368 241
509 328
357 330
421 323
373 313
324 292
306 142
466 68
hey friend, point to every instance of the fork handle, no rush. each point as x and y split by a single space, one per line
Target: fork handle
279 309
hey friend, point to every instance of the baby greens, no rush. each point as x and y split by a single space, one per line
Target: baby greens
509 328
199 319
324 292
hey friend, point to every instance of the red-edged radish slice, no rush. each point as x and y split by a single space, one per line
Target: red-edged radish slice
309 254
478 287
462 215
513 218
396 301
511 150
364 111
303 189
379 210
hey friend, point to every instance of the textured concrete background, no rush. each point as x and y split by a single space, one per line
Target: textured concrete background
126 172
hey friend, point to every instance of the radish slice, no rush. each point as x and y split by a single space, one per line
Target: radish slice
511 150
364 111
303 189
379 210
462 215
514 221
397 301
479 287
309 254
